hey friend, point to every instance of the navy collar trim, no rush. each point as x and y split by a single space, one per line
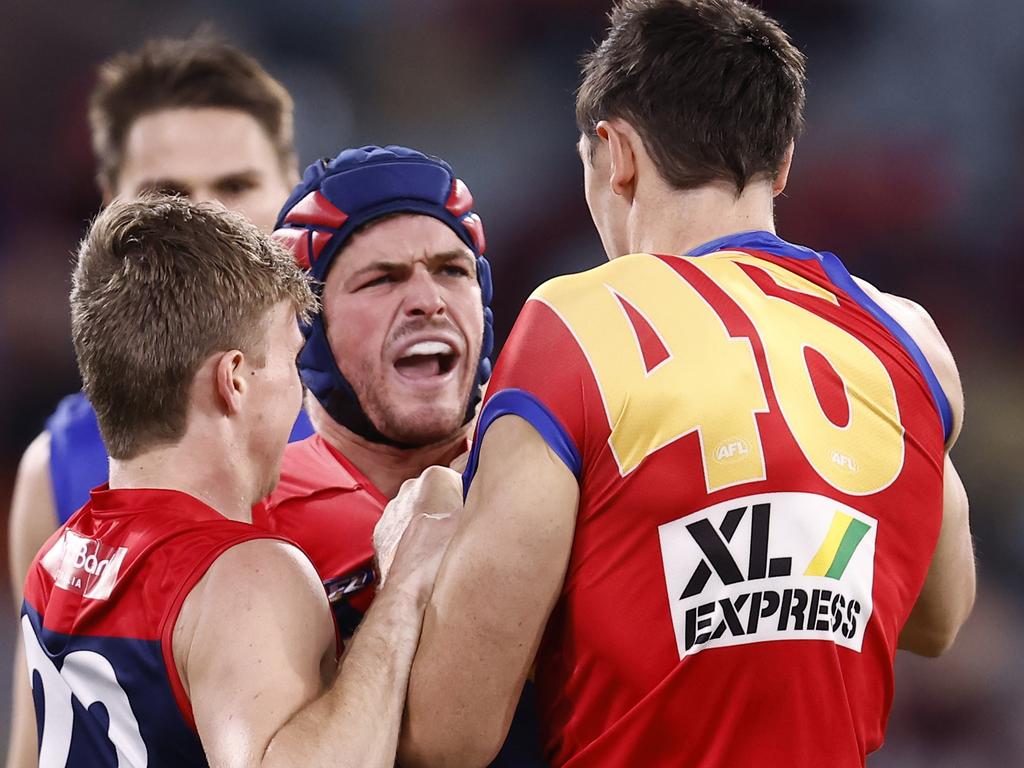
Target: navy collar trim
755 241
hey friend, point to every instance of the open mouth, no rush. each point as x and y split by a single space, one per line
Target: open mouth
426 359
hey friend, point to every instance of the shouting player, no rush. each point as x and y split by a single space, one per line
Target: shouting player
165 629
191 117
725 498
394 362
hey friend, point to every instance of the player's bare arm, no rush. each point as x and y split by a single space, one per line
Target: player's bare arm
33 519
497 586
255 647
948 593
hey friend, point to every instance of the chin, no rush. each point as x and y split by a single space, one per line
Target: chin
421 429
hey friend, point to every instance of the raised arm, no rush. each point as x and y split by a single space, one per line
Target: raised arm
33 519
498 583
948 593
255 645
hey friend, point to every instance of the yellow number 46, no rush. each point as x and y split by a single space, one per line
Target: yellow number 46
708 382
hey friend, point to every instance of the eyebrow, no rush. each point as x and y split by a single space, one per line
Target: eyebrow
170 183
453 255
249 174
382 265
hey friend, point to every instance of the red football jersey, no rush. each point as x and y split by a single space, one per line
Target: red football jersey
101 601
759 449
329 508
326 505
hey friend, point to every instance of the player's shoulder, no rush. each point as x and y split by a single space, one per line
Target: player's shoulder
261 559
260 574
253 581
35 461
919 325
589 280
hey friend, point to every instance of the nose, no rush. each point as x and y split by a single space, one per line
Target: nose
424 297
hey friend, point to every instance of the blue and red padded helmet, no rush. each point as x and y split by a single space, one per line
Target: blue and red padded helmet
336 197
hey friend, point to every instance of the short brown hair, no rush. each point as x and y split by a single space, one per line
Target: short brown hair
160 284
201 71
715 88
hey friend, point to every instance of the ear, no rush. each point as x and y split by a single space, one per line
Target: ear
229 380
782 176
622 156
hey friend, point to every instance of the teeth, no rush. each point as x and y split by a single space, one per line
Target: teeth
429 348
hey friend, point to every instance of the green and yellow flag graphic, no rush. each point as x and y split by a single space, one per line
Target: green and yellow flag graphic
840 543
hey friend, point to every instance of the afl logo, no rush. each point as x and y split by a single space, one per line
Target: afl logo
731 450
844 461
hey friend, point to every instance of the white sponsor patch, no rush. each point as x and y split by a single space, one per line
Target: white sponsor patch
86 566
775 566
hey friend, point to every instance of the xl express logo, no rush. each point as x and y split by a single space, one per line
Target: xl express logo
777 566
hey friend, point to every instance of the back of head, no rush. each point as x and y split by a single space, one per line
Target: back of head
715 88
161 284
196 72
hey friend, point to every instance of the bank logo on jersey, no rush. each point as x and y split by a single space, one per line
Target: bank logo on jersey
83 565
776 566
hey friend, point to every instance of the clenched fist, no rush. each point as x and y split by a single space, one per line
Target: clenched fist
411 537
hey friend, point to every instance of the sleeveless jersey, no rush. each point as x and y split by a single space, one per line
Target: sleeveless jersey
326 505
759 449
78 458
329 508
101 601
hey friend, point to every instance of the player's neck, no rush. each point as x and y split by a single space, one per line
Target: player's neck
675 222
385 466
219 481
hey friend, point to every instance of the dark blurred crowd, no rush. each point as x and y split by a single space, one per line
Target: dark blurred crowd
911 169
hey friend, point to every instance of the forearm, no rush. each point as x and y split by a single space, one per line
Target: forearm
948 593
499 582
458 712
355 722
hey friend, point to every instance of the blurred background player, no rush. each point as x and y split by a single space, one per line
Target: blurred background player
205 639
395 361
192 117
713 519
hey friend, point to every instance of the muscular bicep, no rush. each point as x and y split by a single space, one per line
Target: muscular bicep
251 644
497 586
33 516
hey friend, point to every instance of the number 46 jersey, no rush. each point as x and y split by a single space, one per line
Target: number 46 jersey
759 449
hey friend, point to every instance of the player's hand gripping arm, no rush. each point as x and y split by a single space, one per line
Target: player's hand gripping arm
256 652
948 593
498 583
33 519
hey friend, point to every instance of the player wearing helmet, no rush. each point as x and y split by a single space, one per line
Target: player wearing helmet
395 361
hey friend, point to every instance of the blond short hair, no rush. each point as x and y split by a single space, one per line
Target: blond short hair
160 284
